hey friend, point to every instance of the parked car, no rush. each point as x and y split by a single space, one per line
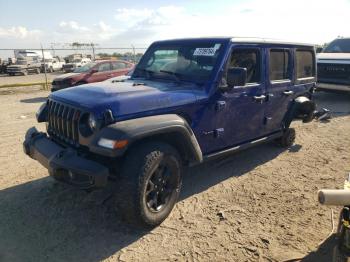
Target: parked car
53 64
24 66
70 67
333 66
212 97
121 78
90 73
3 67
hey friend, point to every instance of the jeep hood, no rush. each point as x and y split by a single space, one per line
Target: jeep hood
333 56
127 98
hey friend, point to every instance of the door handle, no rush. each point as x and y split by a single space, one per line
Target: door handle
288 92
259 98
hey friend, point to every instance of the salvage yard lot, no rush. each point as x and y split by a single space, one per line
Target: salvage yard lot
259 204
31 78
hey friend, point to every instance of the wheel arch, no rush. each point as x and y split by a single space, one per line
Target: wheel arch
170 128
302 108
175 139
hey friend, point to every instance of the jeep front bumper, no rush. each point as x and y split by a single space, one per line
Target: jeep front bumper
64 164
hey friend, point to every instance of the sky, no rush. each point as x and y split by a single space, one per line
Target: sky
114 23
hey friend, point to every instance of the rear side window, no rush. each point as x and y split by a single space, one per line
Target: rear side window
118 65
279 65
249 59
305 64
104 67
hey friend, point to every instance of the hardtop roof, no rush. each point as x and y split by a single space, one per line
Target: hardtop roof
242 40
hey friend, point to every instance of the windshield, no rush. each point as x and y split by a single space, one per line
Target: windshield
21 62
338 46
180 62
76 60
85 68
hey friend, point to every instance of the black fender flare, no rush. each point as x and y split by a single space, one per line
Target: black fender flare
301 108
170 127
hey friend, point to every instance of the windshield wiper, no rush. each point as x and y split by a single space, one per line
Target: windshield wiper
178 79
149 73
175 75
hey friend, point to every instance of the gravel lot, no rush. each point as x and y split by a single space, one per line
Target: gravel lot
31 78
258 205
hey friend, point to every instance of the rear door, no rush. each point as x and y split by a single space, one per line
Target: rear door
305 67
119 68
280 90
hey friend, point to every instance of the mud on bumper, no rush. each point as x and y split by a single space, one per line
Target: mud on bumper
64 164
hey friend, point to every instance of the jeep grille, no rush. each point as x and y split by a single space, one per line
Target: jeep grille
63 122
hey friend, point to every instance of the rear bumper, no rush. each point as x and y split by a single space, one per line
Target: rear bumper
64 164
336 87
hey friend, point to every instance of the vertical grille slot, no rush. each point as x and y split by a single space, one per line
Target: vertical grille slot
70 124
63 122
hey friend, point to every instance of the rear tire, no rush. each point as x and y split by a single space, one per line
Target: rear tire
37 71
25 73
338 256
150 183
288 138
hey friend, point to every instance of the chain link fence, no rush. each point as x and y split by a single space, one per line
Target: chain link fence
131 53
8 56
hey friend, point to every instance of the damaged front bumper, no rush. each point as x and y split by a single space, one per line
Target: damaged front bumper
64 164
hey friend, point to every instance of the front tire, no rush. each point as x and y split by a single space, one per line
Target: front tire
150 183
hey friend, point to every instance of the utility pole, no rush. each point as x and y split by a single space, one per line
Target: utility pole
42 51
93 50
133 51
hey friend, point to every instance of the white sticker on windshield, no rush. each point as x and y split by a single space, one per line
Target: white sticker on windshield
206 51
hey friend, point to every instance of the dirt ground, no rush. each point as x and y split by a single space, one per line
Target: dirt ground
31 78
257 205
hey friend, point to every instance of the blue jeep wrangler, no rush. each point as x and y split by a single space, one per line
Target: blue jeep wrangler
187 101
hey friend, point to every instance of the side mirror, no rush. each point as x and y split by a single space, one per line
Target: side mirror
236 76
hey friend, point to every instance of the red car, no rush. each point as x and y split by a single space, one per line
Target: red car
92 72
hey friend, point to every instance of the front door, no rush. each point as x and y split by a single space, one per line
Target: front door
103 72
242 115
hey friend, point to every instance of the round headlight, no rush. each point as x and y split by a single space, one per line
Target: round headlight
92 122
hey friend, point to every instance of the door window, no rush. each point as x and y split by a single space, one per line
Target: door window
279 65
305 64
249 59
104 67
118 65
